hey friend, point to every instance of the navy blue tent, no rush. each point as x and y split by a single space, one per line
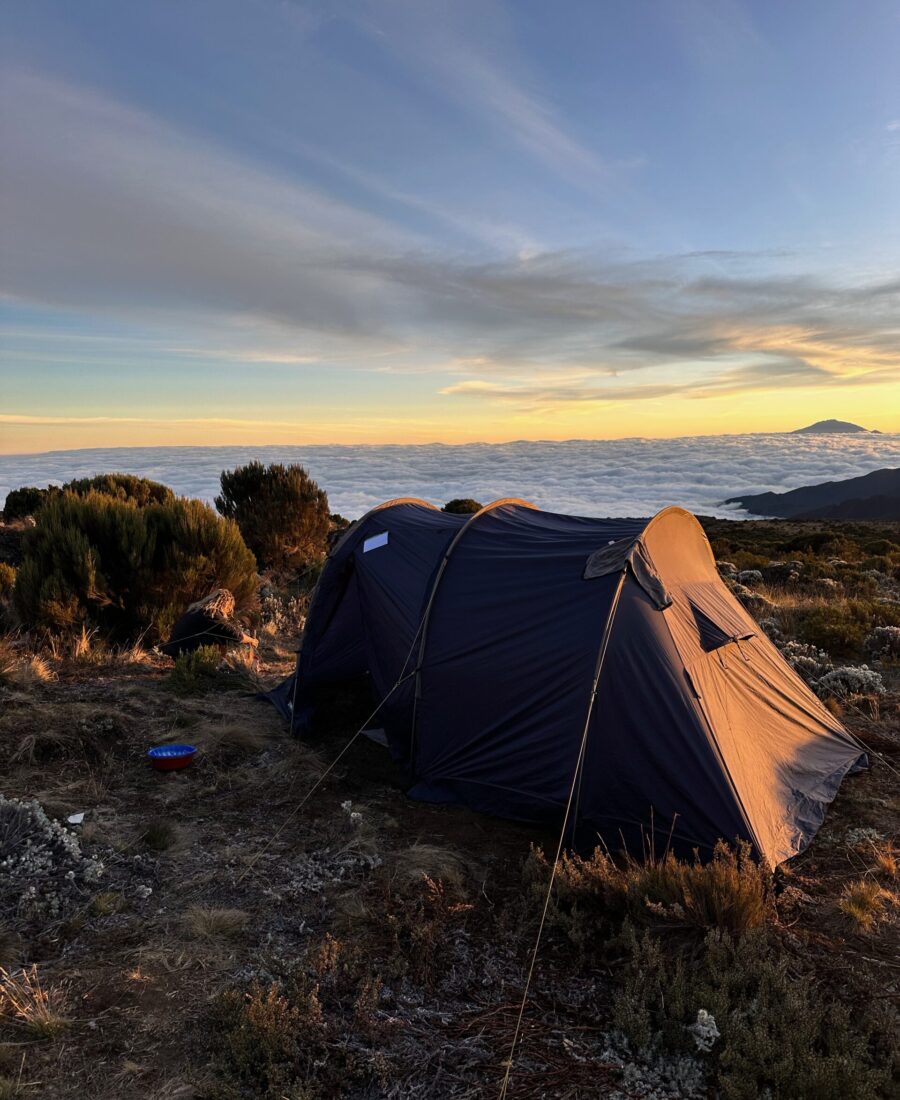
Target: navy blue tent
518 652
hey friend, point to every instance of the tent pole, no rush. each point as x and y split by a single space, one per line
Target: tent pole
595 686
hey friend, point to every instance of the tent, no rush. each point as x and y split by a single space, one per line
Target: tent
521 656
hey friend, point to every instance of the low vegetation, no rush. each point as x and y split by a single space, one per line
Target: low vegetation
215 934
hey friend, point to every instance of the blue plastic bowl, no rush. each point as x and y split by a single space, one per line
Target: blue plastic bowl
169 758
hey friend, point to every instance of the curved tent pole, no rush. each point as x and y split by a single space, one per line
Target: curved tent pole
426 618
351 531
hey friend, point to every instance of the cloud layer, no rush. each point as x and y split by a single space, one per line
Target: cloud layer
626 477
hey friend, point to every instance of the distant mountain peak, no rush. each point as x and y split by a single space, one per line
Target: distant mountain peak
835 427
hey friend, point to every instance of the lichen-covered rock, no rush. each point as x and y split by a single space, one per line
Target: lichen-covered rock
43 870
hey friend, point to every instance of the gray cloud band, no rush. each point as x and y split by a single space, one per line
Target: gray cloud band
107 211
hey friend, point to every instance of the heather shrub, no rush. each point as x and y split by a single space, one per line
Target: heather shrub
841 626
316 1032
883 643
462 506
281 512
26 501
769 1030
125 570
594 896
195 672
849 682
141 490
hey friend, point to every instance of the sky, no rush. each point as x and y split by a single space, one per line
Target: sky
399 221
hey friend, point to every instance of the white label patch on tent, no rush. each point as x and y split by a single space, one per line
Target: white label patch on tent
375 541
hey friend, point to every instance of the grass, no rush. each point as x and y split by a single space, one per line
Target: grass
41 731
30 1006
106 903
11 947
887 859
23 671
159 834
409 866
224 739
211 923
863 902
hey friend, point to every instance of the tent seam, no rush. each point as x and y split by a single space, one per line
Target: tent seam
714 743
426 618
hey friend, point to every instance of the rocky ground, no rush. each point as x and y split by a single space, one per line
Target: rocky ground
260 926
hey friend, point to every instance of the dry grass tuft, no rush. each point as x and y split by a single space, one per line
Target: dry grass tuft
83 645
45 731
887 859
27 1004
862 901
410 866
159 834
220 740
23 671
11 947
106 903
210 923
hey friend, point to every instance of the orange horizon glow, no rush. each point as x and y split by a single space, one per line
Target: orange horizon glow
462 420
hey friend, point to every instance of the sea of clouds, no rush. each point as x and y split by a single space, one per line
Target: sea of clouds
621 477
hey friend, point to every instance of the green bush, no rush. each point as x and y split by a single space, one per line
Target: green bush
779 1035
462 506
594 896
26 501
282 513
195 672
7 579
140 490
841 627
111 565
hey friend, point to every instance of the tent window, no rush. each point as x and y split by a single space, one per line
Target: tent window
718 620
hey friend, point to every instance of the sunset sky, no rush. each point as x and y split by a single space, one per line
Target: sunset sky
265 221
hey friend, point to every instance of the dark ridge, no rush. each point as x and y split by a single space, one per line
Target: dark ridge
811 499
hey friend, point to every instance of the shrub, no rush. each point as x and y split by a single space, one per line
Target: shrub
594 896
883 642
462 506
841 626
300 1037
107 563
141 490
7 579
849 682
778 1035
26 501
195 672
282 513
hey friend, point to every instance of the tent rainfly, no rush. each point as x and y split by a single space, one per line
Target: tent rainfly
520 652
